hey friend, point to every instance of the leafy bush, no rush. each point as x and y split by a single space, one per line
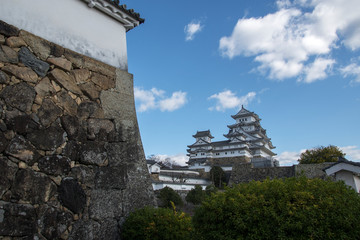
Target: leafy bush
157 224
195 195
210 189
294 208
168 195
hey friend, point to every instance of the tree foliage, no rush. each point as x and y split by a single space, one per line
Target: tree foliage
294 208
217 176
321 154
195 195
157 224
168 195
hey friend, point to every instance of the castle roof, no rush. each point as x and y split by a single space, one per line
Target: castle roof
244 112
203 134
128 17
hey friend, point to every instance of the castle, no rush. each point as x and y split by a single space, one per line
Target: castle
247 142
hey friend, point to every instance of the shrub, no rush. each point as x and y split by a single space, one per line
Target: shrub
157 224
168 195
210 189
195 195
294 208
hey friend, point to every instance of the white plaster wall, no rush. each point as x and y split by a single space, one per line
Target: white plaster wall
71 24
347 177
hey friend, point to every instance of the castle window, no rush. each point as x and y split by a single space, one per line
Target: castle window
217 153
232 152
225 153
202 154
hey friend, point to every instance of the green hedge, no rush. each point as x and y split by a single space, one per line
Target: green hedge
294 208
157 224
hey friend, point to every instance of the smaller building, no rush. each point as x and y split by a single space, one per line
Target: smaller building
347 171
178 179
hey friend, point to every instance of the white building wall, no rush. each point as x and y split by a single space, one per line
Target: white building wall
347 177
71 24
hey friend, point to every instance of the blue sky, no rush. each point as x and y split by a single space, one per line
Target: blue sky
294 63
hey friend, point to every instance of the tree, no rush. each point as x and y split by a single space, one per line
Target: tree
321 154
168 195
293 208
195 195
217 176
157 224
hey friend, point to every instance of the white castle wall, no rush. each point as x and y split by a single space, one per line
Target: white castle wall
71 24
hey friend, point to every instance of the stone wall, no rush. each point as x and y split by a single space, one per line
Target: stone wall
71 159
246 172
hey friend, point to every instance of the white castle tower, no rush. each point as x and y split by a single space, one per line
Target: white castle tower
247 142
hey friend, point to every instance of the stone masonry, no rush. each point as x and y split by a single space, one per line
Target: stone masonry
71 159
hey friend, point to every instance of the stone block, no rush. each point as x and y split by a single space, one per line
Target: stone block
20 96
90 90
44 88
15 42
93 153
7 174
54 222
65 80
102 81
61 63
71 125
84 174
17 220
21 124
8 30
23 73
33 187
105 204
85 230
115 177
101 130
39 46
54 165
71 195
81 75
3 142
29 60
67 103
47 139
22 150
4 79
8 55
89 110
48 112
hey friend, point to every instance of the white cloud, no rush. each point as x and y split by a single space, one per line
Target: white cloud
318 69
191 29
352 70
289 158
176 101
227 99
352 153
284 42
155 99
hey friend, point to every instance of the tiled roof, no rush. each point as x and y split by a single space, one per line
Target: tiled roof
203 134
128 17
123 8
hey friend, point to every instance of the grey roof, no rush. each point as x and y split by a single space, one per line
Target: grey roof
151 162
203 134
244 112
343 160
124 9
